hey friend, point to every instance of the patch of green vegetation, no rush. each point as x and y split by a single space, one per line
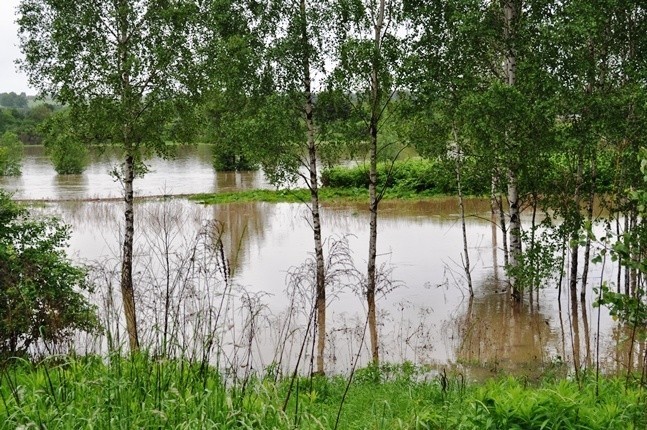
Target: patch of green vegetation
300 195
142 392
10 154
413 176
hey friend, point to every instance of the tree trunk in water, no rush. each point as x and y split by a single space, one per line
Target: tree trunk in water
534 283
574 266
495 259
510 18
515 230
577 199
575 332
372 186
497 207
504 232
466 263
372 248
314 196
127 288
589 219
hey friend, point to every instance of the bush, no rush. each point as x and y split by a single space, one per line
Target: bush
416 175
10 154
68 157
225 160
41 291
64 145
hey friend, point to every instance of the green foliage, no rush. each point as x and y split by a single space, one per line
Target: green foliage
426 176
631 308
10 154
126 88
540 261
64 144
145 393
13 100
41 291
624 307
25 122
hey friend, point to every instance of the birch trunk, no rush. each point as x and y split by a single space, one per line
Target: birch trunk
127 287
589 218
466 262
314 194
513 193
372 187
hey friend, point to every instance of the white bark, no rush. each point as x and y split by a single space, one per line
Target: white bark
372 188
314 195
510 19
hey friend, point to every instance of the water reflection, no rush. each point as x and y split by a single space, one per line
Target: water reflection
234 181
244 224
68 187
429 319
498 334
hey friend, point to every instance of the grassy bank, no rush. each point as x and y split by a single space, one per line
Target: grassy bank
300 195
145 393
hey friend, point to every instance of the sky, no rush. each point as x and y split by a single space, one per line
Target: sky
10 78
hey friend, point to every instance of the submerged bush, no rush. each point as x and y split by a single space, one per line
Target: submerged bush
69 157
64 145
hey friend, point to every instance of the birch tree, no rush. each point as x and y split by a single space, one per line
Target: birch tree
292 138
126 68
369 60
450 61
601 99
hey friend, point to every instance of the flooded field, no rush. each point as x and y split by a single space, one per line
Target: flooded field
249 292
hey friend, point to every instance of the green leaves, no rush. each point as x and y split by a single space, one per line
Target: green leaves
127 66
10 154
41 291
65 143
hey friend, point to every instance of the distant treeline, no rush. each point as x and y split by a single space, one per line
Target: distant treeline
22 114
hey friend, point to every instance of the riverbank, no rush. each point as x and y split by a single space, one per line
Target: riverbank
142 392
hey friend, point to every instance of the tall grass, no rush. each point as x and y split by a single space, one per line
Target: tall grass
144 392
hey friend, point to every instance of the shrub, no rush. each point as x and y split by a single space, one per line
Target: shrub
41 291
416 175
10 154
225 160
64 145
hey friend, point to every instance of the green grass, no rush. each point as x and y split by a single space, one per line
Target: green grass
299 195
142 392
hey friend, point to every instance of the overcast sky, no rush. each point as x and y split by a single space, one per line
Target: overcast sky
10 79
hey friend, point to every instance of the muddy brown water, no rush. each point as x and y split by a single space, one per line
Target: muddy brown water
428 318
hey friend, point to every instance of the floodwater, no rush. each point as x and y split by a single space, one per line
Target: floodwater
425 313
